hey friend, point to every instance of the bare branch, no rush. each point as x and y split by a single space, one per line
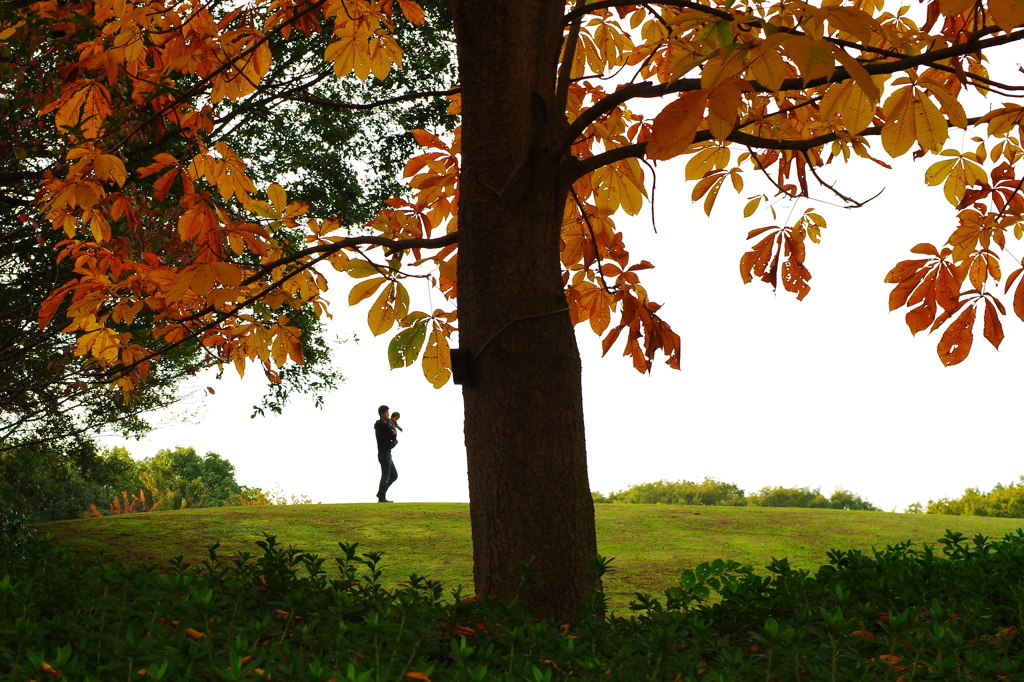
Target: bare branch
330 104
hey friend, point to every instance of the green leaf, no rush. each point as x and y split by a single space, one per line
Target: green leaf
405 347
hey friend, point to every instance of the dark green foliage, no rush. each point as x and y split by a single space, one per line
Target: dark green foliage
183 479
1004 501
712 492
313 134
43 485
898 613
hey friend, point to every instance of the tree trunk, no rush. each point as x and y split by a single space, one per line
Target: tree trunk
531 509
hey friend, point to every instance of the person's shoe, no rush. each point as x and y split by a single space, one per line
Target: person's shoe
381 499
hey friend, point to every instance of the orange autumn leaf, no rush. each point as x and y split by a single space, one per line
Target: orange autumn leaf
676 125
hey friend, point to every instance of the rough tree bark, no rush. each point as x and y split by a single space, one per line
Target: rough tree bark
529 492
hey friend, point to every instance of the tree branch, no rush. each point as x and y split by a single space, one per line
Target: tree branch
323 251
646 89
568 57
330 104
639 149
579 12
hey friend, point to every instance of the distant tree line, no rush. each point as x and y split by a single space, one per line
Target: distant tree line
710 492
1004 501
33 489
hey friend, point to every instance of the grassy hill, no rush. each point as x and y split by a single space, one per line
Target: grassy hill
651 544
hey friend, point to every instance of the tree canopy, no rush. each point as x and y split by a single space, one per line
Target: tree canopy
566 109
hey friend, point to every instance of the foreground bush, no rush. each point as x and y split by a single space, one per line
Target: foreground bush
902 613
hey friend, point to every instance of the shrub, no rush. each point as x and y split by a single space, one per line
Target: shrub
844 499
789 497
898 613
261 498
707 492
712 492
183 479
1005 501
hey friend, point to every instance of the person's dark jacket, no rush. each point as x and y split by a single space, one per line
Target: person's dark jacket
385 437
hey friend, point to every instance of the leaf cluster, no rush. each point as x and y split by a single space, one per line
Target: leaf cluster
174 124
281 612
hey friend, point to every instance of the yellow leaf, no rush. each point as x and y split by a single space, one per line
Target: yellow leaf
1006 14
767 66
606 190
361 268
751 207
932 129
100 228
261 60
110 168
197 222
86 107
723 103
938 171
401 301
860 75
1001 121
898 133
727 63
847 101
10 30
812 57
675 127
277 197
953 7
365 289
620 184
954 110
412 11
339 261
287 344
381 316
854 21
437 359
706 160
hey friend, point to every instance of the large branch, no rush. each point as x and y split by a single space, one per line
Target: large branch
646 89
322 251
579 12
639 150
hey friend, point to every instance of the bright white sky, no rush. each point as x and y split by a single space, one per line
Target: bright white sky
831 392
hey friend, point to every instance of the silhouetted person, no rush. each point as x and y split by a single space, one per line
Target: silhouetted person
385 433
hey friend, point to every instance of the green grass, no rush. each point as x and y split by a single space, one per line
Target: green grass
651 544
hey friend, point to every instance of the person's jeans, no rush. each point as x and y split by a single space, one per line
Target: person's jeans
388 474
